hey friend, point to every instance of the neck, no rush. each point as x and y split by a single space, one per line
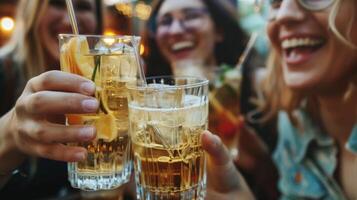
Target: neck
195 68
338 114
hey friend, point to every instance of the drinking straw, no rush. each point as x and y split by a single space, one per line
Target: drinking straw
247 50
72 16
212 96
137 57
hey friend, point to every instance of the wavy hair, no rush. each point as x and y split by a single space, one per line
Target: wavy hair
280 97
24 45
225 18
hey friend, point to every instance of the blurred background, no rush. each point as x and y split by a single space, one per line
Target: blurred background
129 16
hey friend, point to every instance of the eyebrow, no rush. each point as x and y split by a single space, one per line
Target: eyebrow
183 10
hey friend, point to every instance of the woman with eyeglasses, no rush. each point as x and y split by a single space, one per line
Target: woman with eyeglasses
312 89
33 99
203 38
204 31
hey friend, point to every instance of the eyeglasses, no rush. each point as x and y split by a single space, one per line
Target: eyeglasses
313 5
188 18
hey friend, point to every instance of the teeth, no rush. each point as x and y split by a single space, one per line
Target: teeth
182 45
299 42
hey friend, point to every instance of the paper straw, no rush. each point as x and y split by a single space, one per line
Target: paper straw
72 16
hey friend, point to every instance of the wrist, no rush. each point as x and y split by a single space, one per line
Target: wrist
10 155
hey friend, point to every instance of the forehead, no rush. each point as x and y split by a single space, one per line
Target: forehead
173 5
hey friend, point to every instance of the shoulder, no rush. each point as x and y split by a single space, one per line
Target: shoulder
298 178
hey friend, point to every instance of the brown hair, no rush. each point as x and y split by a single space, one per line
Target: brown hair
279 96
25 45
225 18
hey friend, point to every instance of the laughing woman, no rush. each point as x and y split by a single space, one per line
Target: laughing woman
34 95
312 83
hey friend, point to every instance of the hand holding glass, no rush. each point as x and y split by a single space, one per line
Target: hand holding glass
110 62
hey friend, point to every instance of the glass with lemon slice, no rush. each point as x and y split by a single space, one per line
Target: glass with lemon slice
110 62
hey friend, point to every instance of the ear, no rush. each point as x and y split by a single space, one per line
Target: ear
219 35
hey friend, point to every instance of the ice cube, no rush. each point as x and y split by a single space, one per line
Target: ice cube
164 96
167 136
196 111
100 48
121 48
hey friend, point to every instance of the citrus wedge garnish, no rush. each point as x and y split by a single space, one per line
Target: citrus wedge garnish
78 58
106 127
74 119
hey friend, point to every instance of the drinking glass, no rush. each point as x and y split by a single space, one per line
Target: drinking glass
110 62
167 118
225 116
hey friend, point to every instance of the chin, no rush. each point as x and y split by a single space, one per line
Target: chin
297 81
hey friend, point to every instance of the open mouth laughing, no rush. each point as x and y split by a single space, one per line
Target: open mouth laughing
299 49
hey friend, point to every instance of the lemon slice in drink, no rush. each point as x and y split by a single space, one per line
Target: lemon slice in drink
106 127
80 60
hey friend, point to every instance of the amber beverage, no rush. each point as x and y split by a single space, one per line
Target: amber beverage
167 119
110 62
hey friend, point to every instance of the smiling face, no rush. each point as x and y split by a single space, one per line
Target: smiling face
55 20
185 31
312 57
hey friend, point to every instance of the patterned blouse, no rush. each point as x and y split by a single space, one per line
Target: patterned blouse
307 160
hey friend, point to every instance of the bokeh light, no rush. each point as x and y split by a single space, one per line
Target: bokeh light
7 24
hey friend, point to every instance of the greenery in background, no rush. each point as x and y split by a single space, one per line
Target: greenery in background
252 20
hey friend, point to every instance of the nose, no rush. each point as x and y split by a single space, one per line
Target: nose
66 21
176 27
290 11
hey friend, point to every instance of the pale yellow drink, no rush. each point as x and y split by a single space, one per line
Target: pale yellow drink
108 164
165 132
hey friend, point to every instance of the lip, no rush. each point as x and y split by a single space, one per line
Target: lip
298 35
299 56
297 59
183 53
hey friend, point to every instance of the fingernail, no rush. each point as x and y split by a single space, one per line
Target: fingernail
80 156
88 87
90 105
215 140
86 133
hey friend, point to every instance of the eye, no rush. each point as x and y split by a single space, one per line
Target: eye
275 3
84 6
191 14
164 21
57 3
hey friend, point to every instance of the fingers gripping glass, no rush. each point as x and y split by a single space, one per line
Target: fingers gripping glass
188 19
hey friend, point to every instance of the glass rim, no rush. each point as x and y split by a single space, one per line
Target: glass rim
70 35
201 81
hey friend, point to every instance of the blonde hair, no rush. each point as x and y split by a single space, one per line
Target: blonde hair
24 45
279 96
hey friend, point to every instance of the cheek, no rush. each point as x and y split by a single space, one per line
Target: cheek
273 34
208 39
160 38
48 39
161 42
88 23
